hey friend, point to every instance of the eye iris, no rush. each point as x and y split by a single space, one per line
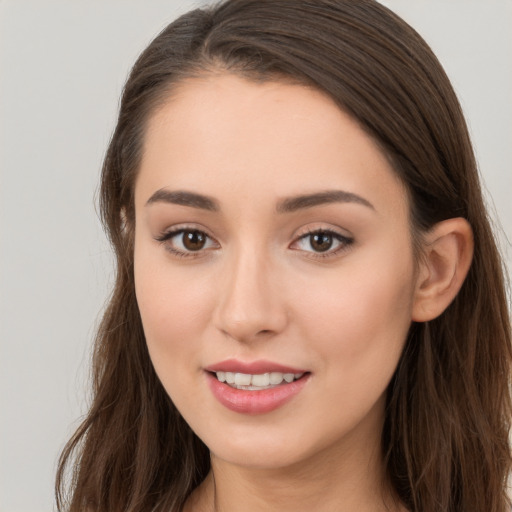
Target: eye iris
321 241
193 240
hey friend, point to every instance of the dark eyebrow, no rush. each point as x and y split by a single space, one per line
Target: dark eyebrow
184 198
292 204
287 205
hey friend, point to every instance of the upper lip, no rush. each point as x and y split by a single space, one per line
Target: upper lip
252 367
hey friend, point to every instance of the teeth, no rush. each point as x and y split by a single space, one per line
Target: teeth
242 379
260 380
257 381
276 378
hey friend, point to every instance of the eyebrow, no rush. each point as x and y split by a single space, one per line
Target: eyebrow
184 198
286 205
292 204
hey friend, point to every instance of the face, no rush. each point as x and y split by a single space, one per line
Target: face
272 241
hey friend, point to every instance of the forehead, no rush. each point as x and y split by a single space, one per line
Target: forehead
220 133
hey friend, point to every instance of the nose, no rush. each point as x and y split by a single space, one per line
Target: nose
250 304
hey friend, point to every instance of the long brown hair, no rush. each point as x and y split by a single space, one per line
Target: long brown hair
445 439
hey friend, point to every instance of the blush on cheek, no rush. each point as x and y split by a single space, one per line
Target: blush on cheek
364 314
175 314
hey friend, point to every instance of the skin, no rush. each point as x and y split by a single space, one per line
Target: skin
257 290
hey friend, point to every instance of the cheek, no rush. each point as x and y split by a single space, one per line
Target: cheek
173 317
357 325
174 307
360 317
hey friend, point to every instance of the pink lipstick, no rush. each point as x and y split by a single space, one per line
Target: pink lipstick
254 387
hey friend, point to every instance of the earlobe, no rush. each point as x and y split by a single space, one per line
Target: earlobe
448 251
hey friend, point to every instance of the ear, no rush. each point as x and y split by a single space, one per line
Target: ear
447 255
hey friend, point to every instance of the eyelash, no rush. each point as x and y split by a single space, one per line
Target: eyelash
345 242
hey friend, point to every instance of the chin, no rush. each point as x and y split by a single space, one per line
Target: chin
267 448
259 456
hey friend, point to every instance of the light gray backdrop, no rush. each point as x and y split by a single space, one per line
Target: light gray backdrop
62 66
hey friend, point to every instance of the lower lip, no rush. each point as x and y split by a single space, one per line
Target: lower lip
255 401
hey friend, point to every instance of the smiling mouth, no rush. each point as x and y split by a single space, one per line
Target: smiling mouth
256 382
255 393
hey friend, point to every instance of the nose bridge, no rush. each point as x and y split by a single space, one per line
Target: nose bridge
249 302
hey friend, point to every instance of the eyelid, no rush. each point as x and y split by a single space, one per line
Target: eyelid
173 231
345 240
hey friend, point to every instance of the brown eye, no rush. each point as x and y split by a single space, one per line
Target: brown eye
193 240
187 242
321 241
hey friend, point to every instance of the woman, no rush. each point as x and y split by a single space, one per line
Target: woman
309 310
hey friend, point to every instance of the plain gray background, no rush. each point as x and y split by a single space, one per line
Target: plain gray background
62 67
